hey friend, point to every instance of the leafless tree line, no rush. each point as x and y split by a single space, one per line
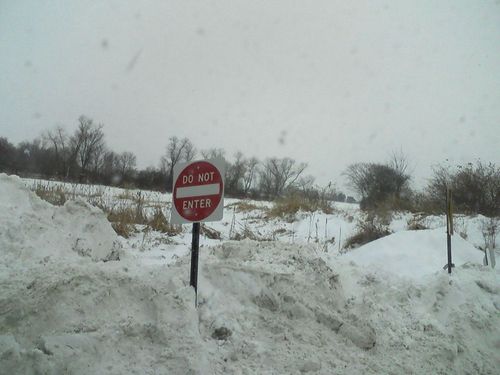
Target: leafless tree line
475 187
83 155
243 176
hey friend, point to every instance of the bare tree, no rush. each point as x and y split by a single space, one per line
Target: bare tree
476 187
279 174
250 173
110 166
7 155
97 160
305 184
235 172
400 165
126 163
377 183
87 143
189 150
357 178
399 162
58 140
438 183
177 150
214 153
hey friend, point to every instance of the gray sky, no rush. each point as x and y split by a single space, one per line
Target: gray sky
326 82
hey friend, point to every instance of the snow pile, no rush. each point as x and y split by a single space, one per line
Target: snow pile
33 230
445 325
98 318
263 307
414 254
281 307
62 310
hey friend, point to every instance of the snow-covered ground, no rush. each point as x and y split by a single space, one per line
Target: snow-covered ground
77 299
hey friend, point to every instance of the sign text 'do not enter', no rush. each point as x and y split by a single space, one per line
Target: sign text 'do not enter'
198 192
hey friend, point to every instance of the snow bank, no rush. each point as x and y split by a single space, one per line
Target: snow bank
98 318
62 311
264 307
414 254
282 309
32 230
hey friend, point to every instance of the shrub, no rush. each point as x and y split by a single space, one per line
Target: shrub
475 189
288 206
490 228
379 183
369 229
416 223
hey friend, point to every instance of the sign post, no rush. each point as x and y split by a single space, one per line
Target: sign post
195 248
449 227
197 196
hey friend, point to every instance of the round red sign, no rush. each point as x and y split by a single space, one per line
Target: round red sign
198 191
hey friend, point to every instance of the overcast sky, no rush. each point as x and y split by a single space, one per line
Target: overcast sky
325 82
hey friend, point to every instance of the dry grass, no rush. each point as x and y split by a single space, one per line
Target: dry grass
127 214
245 233
53 194
288 206
416 222
368 230
210 232
122 229
160 223
123 216
125 195
123 220
245 206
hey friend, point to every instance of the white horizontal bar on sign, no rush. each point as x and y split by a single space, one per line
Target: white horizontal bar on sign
198 191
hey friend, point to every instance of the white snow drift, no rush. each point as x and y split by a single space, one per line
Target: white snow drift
414 254
32 229
263 307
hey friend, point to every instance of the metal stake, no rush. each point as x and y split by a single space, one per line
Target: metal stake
195 247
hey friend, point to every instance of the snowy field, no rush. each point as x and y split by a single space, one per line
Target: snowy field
77 299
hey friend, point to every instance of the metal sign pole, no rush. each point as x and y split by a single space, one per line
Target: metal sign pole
449 252
195 247
197 196
449 227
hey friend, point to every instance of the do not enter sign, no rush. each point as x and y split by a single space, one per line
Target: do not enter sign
198 192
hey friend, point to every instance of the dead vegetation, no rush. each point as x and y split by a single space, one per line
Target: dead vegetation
417 222
288 206
160 223
369 229
124 219
245 233
211 233
245 206
130 211
53 194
